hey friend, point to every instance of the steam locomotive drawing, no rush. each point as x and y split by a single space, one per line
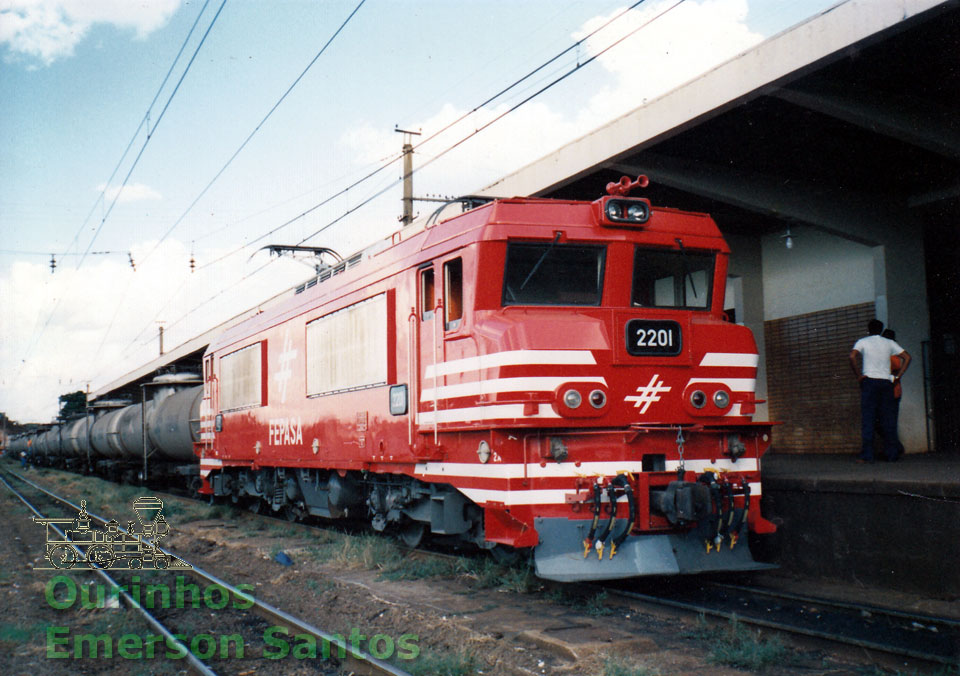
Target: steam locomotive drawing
78 544
542 375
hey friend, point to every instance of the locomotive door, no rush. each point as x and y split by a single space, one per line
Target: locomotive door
429 313
441 317
209 406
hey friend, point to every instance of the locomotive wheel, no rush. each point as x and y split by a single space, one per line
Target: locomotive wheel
411 533
100 556
161 562
135 564
63 556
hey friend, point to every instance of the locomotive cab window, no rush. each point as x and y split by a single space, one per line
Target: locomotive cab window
452 294
553 274
672 279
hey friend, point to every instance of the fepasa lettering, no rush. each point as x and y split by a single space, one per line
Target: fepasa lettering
285 431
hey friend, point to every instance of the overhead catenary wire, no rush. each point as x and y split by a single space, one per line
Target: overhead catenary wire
140 154
450 148
233 157
502 115
145 121
37 336
155 125
255 130
393 158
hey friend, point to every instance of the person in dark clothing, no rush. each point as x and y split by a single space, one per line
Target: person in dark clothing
870 360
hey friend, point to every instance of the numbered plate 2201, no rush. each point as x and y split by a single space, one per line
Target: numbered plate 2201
653 337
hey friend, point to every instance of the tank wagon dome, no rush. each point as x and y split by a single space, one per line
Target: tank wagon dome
175 378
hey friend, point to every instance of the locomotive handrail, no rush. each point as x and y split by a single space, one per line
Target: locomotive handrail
437 339
413 366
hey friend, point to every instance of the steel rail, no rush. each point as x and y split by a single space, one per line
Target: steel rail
196 666
359 660
779 626
845 605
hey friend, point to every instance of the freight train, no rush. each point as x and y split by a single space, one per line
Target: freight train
535 375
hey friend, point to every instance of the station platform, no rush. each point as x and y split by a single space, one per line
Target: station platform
886 525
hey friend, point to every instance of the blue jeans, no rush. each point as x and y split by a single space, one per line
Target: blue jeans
877 403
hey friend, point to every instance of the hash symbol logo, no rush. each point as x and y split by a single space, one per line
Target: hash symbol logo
648 394
285 372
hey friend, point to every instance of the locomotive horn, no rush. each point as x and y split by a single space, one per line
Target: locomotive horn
625 185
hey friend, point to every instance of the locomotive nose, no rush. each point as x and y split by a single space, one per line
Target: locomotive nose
147 509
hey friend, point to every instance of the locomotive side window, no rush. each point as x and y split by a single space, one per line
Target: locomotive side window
553 274
427 299
674 279
347 349
241 378
452 293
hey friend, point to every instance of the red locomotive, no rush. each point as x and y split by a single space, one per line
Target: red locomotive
533 373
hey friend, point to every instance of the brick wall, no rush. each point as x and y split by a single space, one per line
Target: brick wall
810 388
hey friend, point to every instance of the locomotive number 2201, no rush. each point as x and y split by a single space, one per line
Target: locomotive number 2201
653 337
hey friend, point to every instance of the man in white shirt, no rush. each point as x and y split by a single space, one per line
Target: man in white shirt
870 361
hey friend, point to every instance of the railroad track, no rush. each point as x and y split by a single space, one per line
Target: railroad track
350 658
931 639
927 638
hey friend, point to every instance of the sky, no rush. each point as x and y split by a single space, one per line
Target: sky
165 131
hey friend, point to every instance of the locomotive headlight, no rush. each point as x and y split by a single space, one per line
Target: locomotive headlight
598 399
626 212
698 398
721 399
572 398
637 212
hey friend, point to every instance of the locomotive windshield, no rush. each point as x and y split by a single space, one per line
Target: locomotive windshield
673 279
553 274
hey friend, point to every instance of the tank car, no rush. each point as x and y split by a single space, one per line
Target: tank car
536 374
120 440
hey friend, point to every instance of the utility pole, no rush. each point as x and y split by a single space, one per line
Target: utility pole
161 338
407 217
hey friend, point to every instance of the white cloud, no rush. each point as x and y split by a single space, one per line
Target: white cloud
48 30
105 321
673 48
132 192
